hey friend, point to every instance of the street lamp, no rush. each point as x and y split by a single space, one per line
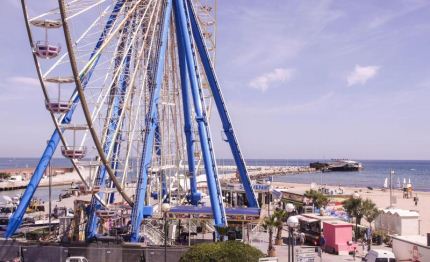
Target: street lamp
269 187
292 223
165 208
289 208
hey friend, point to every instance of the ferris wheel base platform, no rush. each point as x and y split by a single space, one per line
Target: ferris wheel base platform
241 214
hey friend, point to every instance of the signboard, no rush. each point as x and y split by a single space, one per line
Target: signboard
239 187
305 254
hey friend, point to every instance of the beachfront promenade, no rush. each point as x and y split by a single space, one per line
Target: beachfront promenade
380 198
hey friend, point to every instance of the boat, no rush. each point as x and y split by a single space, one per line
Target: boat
337 165
345 165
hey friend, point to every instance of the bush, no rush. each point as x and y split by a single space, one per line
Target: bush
4 175
222 251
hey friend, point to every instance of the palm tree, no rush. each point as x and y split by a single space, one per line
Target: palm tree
370 211
370 214
269 223
359 208
318 199
280 215
354 208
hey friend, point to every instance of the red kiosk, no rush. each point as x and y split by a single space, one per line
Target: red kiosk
338 237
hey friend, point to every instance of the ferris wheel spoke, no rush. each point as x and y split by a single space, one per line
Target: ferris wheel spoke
88 8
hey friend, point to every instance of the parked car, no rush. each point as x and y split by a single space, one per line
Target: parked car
379 255
76 259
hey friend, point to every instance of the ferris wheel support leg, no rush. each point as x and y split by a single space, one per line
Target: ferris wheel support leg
139 209
222 109
214 186
195 196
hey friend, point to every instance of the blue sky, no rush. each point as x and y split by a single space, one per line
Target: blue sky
302 79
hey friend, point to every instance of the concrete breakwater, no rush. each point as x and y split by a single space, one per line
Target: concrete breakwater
20 177
260 172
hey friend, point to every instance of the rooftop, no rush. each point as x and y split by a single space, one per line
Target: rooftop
401 212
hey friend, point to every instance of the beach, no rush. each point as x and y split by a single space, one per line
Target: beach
380 198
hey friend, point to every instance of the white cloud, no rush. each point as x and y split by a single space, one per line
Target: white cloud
23 81
278 75
361 74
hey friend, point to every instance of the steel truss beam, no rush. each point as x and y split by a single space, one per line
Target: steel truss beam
139 209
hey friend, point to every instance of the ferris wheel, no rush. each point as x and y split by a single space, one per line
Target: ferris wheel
120 79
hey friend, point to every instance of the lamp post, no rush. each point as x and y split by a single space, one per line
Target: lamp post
391 188
269 187
292 223
165 208
356 196
289 208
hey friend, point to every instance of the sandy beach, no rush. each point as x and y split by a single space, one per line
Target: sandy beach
380 198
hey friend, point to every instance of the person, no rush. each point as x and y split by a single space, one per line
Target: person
302 238
354 253
416 200
295 236
322 242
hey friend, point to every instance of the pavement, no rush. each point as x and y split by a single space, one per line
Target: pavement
261 242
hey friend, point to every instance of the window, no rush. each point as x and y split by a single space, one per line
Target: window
381 259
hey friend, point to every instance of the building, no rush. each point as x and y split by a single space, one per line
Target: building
412 248
338 237
396 221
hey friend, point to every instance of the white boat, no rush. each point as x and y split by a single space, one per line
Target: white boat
386 182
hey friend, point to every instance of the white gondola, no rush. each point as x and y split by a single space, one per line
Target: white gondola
57 105
46 50
47 23
74 152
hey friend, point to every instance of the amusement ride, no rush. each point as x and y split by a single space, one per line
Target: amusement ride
130 86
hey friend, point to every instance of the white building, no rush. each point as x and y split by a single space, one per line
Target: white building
398 222
411 248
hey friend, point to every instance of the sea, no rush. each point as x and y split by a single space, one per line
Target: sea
372 175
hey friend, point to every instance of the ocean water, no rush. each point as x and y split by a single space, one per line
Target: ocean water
373 174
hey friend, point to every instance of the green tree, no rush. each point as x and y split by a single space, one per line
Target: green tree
227 251
4 175
354 208
269 223
318 199
370 211
280 217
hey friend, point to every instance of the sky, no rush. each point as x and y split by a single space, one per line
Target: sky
301 79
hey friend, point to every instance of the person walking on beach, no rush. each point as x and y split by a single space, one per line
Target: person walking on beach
416 200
